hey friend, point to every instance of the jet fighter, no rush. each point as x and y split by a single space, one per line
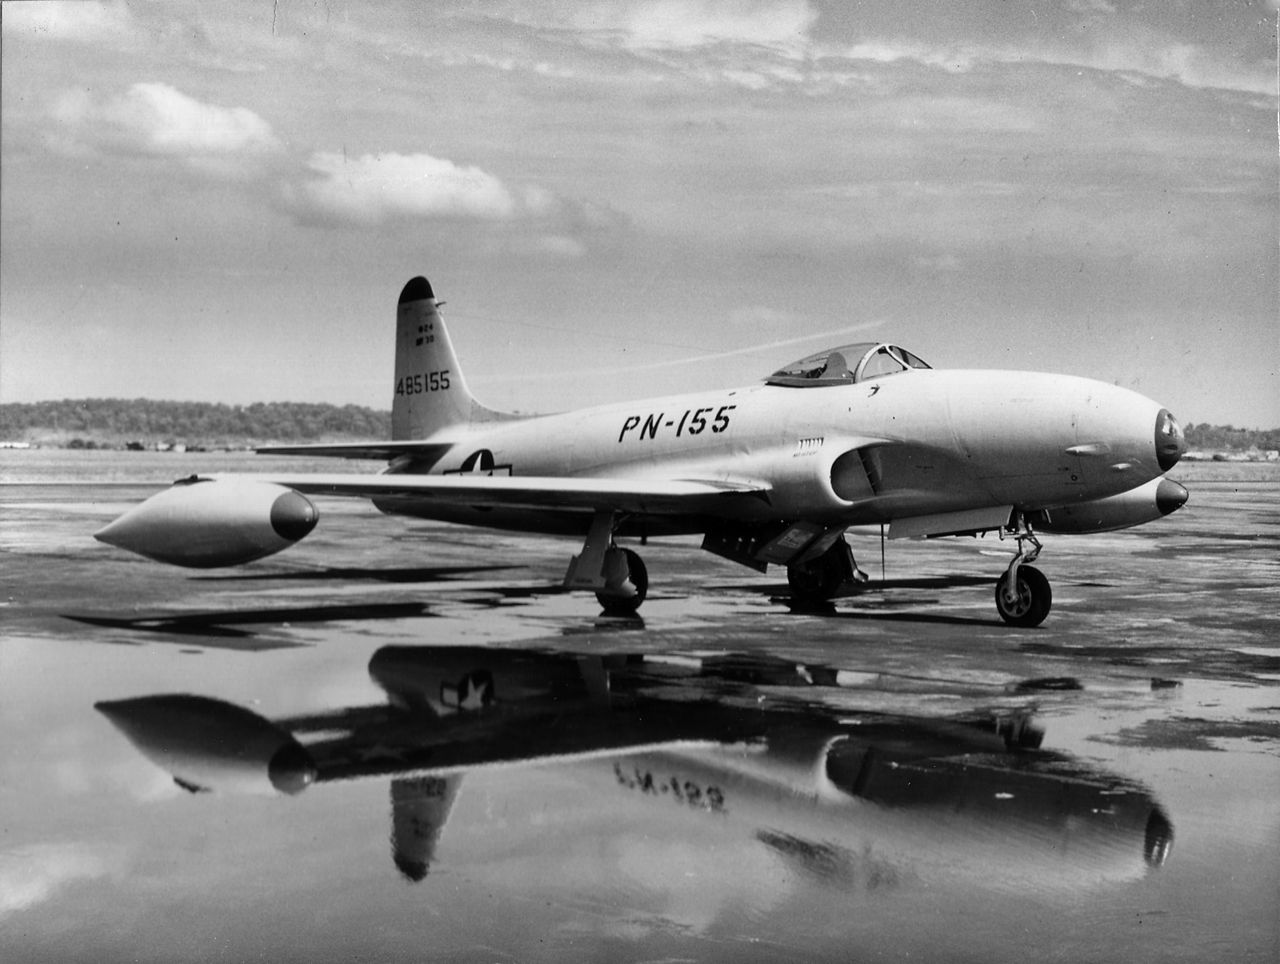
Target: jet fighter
769 473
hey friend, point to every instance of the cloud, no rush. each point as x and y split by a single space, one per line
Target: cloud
1188 63
31 875
375 188
79 21
1233 50
953 58
157 120
1139 52
688 24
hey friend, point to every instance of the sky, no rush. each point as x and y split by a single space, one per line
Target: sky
617 199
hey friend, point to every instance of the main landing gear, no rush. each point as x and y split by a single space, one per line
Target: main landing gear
1023 596
627 584
617 575
621 582
832 574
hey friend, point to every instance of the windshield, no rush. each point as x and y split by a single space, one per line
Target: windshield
846 365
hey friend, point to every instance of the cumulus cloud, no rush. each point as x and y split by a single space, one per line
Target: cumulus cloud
389 188
375 188
157 120
31 875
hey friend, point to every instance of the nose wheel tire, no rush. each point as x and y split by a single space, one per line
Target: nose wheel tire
625 600
1031 601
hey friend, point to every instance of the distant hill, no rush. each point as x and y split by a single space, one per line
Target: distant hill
116 422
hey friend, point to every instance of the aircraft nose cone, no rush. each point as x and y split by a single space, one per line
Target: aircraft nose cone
1170 496
123 533
1171 444
293 516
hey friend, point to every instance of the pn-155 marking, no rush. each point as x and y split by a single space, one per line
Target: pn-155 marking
693 421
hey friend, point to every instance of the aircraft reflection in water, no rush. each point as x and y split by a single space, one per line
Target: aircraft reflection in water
837 794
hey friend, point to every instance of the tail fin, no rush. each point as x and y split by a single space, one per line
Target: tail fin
419 810
430 392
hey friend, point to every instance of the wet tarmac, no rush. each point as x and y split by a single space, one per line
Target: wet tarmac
404 741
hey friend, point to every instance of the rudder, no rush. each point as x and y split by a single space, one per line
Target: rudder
430 392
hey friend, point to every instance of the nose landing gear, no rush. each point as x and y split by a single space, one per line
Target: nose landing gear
1023 596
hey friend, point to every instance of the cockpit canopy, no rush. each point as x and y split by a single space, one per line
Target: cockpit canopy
846 365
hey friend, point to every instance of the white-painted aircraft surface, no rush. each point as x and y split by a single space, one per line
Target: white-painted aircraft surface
770 473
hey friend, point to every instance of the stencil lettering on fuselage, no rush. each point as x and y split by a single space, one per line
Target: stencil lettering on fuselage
692 421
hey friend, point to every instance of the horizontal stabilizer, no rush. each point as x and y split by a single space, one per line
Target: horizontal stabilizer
429 452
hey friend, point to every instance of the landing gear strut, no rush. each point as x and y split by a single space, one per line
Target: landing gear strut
617 575
831 574
1023 596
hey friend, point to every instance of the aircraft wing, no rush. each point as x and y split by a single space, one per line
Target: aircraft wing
658 496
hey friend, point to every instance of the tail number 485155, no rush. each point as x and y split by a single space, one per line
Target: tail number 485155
422 382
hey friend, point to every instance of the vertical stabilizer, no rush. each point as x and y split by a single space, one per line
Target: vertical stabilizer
430 392
419 809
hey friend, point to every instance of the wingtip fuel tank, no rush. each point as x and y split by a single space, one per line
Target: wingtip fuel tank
204 523
208 744
1139 505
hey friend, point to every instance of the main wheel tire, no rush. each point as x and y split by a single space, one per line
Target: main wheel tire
821 579
1033 601
816 581
638 576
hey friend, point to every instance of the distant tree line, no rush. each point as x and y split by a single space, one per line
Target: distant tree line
119 419
1224 438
